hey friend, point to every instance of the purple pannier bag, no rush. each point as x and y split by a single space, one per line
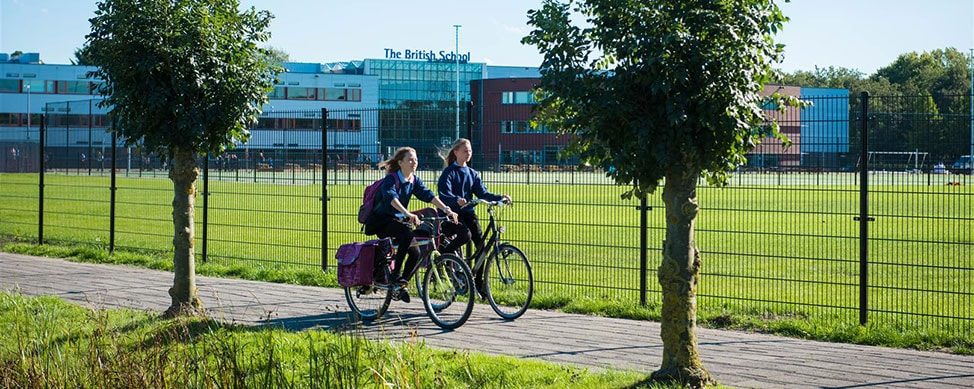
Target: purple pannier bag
356 261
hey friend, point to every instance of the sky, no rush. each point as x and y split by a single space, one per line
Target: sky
858 34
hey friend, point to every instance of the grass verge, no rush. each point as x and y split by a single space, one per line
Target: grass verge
795 323
51 343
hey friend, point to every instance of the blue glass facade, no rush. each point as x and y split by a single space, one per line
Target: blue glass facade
422 84
418 101
825 124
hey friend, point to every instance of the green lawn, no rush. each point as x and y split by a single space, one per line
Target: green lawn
776 248
47 342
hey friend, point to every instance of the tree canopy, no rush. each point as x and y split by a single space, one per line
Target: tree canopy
652 87
80 57
941 72
186 74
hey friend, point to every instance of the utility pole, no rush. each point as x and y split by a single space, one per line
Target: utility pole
456 57
27 86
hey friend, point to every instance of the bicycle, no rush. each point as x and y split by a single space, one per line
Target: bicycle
447 280
509 281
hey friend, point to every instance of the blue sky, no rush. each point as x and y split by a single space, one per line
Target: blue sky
861 34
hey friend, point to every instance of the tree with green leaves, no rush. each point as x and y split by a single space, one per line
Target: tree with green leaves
80 57
182 78
276 56
661 93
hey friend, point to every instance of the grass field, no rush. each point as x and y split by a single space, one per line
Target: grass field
776 247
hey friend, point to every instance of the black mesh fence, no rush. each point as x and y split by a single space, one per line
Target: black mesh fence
836 226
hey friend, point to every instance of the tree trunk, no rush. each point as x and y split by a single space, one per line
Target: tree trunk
185 296
679 275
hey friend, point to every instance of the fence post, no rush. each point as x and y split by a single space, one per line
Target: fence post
206 202
40 180
643 247
324 189
91 150
864 218
113 189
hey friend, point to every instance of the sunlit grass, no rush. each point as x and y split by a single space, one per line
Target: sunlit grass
771 253
50 343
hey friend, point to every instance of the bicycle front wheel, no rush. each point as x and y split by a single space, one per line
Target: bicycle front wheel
508 282
368 303
448 291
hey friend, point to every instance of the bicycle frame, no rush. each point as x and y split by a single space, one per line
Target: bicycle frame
492 235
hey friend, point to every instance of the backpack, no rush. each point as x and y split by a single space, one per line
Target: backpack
357 261
368 199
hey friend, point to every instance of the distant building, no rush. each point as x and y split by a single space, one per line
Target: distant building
377 105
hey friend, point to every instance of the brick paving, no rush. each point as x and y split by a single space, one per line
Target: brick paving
738 359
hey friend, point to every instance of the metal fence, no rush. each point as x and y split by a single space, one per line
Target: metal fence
842 226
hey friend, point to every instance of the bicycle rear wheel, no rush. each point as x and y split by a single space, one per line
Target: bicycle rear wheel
508 282
368 302
448 292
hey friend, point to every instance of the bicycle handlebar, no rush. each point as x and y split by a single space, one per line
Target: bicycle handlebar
402 218
490 203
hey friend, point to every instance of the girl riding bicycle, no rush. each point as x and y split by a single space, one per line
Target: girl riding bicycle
458 184
399 185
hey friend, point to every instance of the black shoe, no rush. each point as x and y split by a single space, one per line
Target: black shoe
403 295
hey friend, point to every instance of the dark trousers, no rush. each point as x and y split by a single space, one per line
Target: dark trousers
470 221
459 232
387 227
472 224
402 236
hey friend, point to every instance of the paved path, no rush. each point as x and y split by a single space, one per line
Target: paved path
737 359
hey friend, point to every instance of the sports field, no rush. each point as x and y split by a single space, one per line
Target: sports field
771 242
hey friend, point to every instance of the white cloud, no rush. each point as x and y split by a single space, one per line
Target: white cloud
488 61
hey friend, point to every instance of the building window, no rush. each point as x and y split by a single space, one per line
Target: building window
518 157
300 93
9 86
332 94
553 155
304 124
517 97
9 119
345 125
38 86
277 93
521 127
74 87
339 94
513 126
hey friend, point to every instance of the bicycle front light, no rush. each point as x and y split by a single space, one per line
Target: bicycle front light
501 229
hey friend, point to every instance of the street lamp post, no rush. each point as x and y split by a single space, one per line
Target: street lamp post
28 110
456 57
